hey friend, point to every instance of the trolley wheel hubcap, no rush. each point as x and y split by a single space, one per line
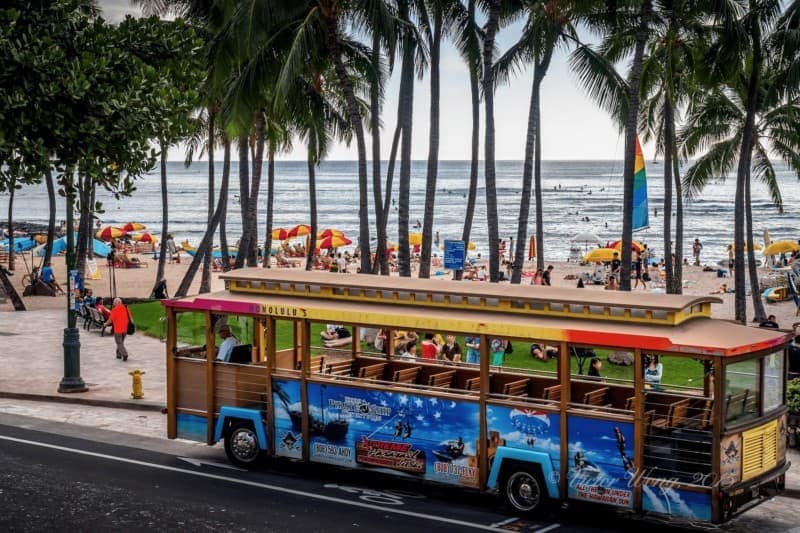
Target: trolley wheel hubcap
523 491
244 445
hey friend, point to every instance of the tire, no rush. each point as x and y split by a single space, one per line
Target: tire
523 491
241 445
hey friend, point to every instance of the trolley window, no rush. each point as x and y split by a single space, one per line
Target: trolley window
773 381
742 391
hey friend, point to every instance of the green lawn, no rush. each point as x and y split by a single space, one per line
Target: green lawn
149 318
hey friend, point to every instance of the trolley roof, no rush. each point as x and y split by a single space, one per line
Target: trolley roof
526 299
700 336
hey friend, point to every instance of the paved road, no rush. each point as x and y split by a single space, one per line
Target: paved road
51 481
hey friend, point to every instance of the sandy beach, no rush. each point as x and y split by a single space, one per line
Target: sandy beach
138 282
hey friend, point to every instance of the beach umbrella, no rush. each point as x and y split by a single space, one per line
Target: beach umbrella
145 237
329 232
333 241
586 237
109 232
756 246
132 226
781 247
280 234
635 246
299 230
415 239
600 255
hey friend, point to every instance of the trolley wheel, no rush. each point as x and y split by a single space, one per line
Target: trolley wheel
241 445
523 490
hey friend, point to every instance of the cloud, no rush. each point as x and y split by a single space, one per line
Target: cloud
116 10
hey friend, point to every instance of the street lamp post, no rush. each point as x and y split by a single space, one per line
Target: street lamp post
72 380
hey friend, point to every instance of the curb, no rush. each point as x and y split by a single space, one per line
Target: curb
136 405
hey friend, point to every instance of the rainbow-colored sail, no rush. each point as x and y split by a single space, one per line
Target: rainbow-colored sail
640 212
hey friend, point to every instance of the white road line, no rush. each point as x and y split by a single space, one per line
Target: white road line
504 522
545 529
266 486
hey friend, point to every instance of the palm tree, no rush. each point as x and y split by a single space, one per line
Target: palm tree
445 15
471 51
750 111
548 24
491 27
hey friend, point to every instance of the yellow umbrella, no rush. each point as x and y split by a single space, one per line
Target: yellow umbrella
756 246
414 239
280 234
600 255
328 232
781 247
470 245
109 232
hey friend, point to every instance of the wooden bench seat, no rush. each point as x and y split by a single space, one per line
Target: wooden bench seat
406 375
676 413
372 371
472 384
596 397
699 415
552 393
316 364
442 379
516 388
340 368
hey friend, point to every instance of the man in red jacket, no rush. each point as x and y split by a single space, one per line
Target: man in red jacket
119 321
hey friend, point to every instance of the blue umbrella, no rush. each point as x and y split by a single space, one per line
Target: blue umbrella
59 245
20 245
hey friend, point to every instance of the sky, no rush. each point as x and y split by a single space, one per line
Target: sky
573 127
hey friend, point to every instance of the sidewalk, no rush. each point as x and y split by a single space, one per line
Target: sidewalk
32 363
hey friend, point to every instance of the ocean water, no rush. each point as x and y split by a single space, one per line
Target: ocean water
573 190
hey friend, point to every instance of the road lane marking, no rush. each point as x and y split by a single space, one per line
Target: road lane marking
201 462
266 486
545 529
504 522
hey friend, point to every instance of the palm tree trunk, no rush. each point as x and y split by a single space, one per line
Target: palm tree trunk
312 202
489 172
354 114
380 263
11 189
270 200
162 254
433 147
205 245
759 313
51 221
405 111
669 143
223 231
533 158
244 196
390 172
742 173
476 126
11 292
255 188
678 222
205 281
630 143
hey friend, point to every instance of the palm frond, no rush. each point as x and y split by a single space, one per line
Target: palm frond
764 171
601 81
714 164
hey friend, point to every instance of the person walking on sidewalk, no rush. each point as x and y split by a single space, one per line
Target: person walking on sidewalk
119 319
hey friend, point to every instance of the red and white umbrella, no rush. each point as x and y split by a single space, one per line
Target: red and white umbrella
299 230
109 232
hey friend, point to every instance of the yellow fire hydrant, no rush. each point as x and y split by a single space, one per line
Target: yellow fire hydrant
138 389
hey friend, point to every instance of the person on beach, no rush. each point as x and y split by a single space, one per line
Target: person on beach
546 275
119 318
616 264
697 247
769 323
611 284
730 257
538 278
637 266
172 250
